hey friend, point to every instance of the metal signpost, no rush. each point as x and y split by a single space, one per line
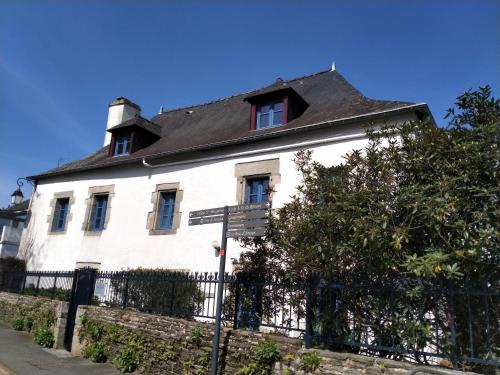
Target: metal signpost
245 220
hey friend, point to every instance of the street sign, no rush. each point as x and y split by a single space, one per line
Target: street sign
232 209
246 233
248 215
207 212
247 224
248 207
206 220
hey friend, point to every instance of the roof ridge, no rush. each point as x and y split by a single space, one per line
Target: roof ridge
243 93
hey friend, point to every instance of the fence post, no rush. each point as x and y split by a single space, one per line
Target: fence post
54 287
38 285
125 294
309 312
236 301
453 327
24 282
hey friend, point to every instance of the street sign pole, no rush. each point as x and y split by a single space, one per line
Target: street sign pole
220 288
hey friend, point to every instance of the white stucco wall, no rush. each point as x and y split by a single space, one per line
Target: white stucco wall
126 243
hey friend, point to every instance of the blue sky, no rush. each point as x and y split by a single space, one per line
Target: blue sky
62 62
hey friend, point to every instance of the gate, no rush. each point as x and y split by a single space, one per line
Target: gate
82 292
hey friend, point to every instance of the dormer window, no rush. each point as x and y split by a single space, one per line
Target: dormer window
122 145
269 115
275 106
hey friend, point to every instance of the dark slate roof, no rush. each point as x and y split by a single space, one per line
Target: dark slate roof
139 122
16 210
332 100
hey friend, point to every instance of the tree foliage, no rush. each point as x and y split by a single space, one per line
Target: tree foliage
418 199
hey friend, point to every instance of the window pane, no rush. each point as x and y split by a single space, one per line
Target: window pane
278 118
264 121
264 108
278 106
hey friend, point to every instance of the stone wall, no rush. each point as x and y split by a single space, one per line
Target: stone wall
168 346
171 345
37 311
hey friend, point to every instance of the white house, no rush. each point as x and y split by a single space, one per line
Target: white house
127 205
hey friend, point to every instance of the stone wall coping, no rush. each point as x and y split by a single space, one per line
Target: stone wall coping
387 363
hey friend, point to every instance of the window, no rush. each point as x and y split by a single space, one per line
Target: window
99 206
269 115
166 210
60 215
257 190
165 216
122 145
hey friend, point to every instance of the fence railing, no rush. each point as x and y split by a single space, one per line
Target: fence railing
403 319
54 285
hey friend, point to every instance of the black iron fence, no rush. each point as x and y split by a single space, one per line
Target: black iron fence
54 285
403 319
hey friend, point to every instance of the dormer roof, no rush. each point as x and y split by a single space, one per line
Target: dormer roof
138 122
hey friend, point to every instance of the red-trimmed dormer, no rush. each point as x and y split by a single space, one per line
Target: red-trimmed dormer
275 106
132 135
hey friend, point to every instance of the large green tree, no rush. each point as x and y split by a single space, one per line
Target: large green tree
419 199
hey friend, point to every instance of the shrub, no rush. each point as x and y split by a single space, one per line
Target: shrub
126 360
160 291
95 352
310 361
29 321
196 335
9 264
12 282
18 323
44 337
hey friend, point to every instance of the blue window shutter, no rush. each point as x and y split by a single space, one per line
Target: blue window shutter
257 190
99 207
167 205
60 215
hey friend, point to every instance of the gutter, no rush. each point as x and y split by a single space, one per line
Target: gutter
257 152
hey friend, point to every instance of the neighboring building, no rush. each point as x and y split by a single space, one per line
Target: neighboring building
127 205
12 220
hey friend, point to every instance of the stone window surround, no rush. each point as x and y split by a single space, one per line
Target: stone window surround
97 190
69 215
153 215
252 169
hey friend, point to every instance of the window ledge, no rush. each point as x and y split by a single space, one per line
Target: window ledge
159 232
93 233
57 232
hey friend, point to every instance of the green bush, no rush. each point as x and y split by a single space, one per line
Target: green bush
95 351
11 282
196 335
310 361
44 337
29 321
52 293
126 360
18 323
150 292
266 354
